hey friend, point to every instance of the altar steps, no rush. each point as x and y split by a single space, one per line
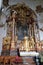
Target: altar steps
29 61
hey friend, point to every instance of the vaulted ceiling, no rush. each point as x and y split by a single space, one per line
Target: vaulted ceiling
36 5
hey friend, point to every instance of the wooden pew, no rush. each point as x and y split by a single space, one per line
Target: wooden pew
7 60
1 60
12 60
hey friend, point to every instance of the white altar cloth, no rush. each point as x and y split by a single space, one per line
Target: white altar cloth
23 53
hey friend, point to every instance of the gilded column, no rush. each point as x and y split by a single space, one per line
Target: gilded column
13 41
13 47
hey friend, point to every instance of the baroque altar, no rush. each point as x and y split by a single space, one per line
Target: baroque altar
22 30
